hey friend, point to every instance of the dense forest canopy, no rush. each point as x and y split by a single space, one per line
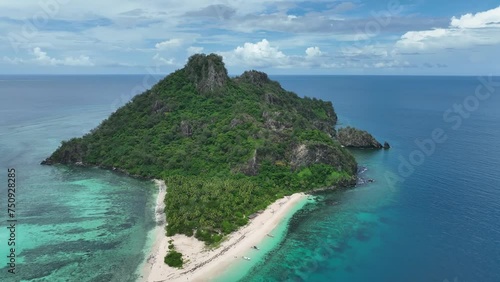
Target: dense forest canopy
226 147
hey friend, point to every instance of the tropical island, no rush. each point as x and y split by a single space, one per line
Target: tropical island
226 148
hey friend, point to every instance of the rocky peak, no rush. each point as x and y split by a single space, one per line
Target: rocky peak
254 77
207 72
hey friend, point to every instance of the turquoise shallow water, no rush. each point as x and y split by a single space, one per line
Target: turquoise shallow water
331 234
74 224
239 270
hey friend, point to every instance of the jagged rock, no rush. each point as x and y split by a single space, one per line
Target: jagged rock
241 119
207 72
305 155
272 122
71 153
355 138
386 145
158 107
254 77
325 127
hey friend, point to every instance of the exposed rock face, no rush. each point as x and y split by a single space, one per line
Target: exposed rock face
252 167
159 107
186 128
386 146
307 154
304 155
72 153
273 123
207 72
254 77
355 138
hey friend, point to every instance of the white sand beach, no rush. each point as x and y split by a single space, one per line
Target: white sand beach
200 263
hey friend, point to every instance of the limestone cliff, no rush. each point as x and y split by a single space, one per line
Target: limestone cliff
355 138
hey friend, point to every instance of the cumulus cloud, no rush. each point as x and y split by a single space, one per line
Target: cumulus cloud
194 50
490 18
260 54
13 61
42 58
263 54
169 44
365 51
482 28
390 64
312 52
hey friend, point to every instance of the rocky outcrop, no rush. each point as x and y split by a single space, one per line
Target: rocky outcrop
307 154
254 77
273 121
304 155
207 72
72 152
355 138
386 146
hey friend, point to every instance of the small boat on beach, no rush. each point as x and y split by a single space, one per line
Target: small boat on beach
246 258
270 235
255 247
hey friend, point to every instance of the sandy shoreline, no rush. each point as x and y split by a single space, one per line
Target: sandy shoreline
203 264
158 232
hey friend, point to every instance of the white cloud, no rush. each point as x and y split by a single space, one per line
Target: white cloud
127 33
469 30
260 54
365 51
162 61
312 52
490 18
169 44
194 50
42 58
263 54
13 61
390 64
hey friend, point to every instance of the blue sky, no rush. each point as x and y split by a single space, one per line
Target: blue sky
419 37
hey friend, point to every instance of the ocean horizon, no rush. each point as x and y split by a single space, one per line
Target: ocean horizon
431 214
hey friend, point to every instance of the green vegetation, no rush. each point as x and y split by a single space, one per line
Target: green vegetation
173 258
226 147
210 207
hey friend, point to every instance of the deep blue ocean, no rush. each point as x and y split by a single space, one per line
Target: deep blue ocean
432 214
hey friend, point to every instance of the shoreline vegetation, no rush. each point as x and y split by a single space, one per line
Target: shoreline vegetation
202 263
